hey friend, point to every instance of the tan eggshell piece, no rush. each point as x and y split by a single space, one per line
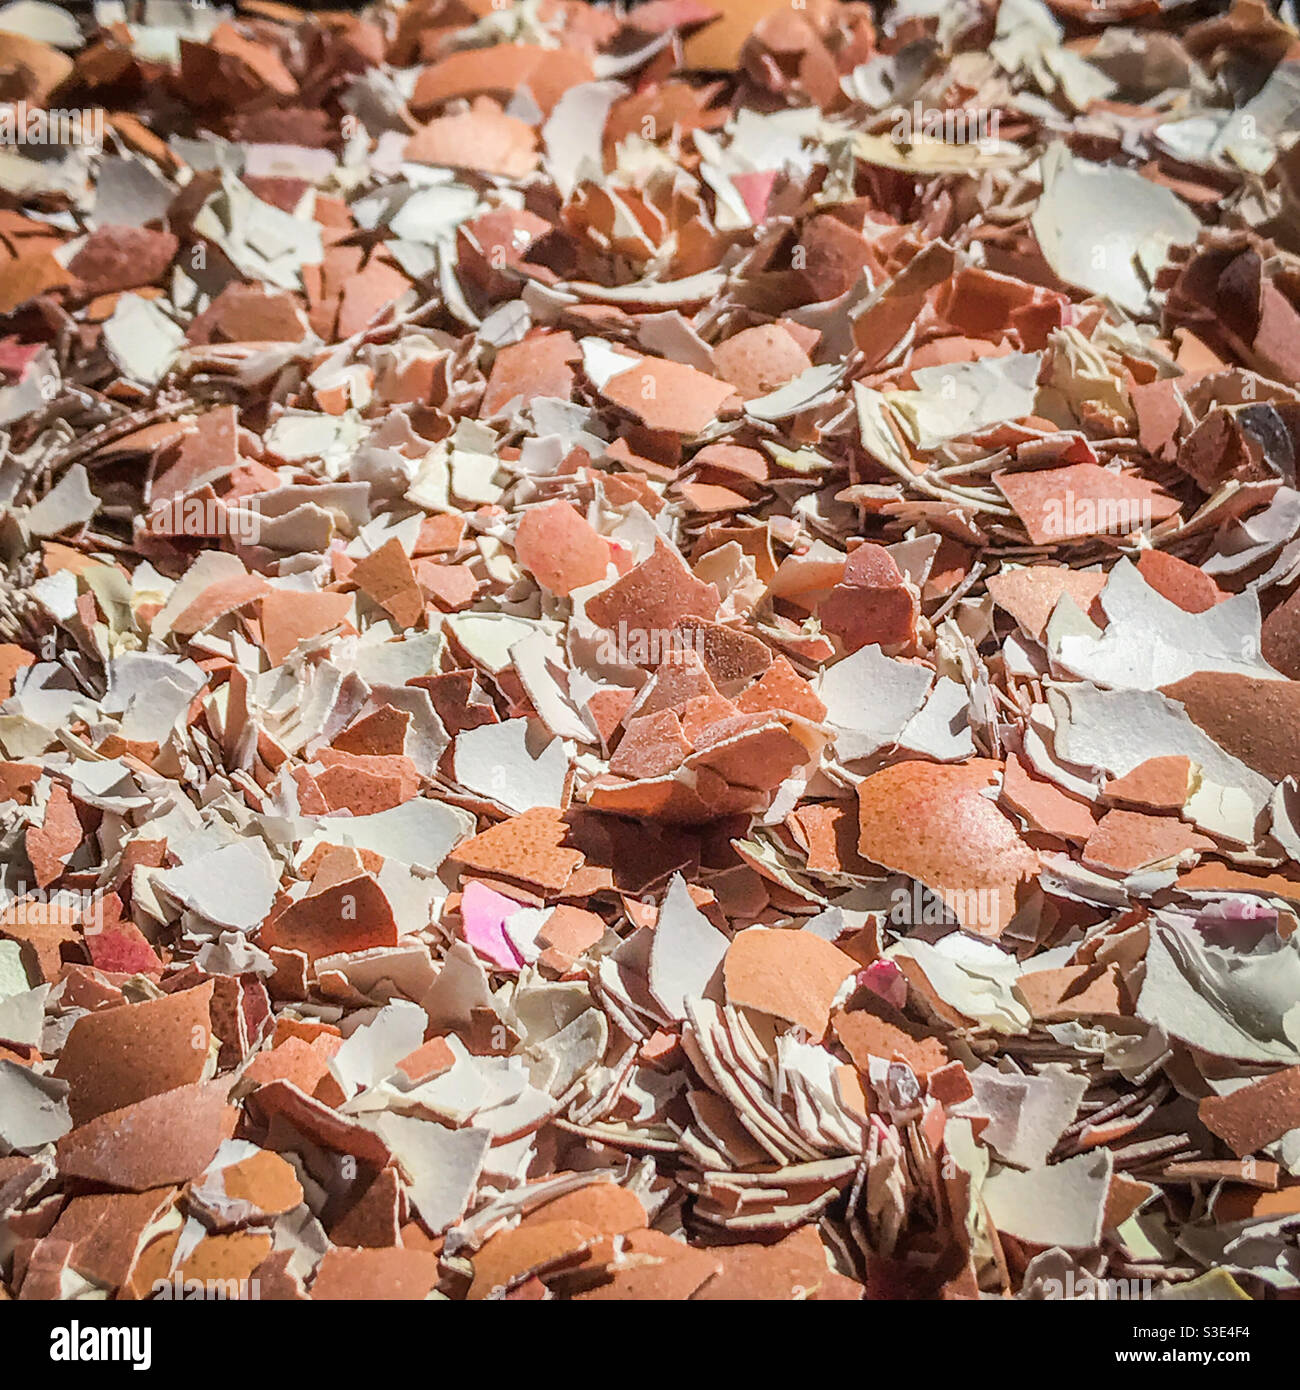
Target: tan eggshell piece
933 823
115 1057
1080 500
1254 720
793 975
560 549
166 1138
392 1275
668 395
1257 1114
1030 594
1158 784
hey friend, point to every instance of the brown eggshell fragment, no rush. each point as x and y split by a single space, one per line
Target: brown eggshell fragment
527 847
535 1247
538 366
353 915
1189 587
1257 1114
1044 805
389 1275
873 602
266 1181
1158 784
873 1028
781 688
502 69
758 360
606 1207
667 1269
290 617
106 1230
13 659
166 1138
1281 637
116 1057
122 258
372 1220
793 975
226 1260
1127 841
483 138
651 746
667 395
653 598
793 1267
387 577
319 1123
1252 719
933 823
50 844
1081 500
1071 994
560 549
1029 594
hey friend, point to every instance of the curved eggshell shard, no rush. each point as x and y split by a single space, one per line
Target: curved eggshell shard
935 824
793 975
